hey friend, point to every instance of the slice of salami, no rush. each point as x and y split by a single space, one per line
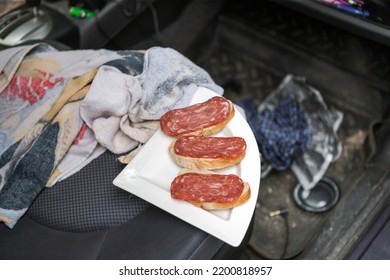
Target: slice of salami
199 187
196 117
210 147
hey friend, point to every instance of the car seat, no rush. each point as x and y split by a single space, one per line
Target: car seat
87 217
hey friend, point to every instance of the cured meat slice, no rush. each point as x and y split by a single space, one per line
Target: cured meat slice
198 119
209 147
209 153
200 187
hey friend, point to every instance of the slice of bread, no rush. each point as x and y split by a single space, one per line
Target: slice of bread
198 156
244 197
170 121
214 128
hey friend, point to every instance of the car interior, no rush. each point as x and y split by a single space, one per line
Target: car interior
248 47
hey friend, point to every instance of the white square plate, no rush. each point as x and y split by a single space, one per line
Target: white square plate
150 173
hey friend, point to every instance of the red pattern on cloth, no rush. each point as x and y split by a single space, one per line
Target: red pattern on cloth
31 89
80 135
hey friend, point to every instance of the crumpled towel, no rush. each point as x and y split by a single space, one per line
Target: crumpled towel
66 108
130 116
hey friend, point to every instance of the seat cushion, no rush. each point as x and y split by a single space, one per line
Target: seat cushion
87 217
87 201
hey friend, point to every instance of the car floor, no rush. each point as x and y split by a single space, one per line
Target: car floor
248 47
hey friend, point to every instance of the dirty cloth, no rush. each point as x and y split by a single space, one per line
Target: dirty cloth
295 129
60 110
282 132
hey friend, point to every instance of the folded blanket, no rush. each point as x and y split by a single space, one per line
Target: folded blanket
60 110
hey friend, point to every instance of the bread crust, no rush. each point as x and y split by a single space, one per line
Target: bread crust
204 163
244 197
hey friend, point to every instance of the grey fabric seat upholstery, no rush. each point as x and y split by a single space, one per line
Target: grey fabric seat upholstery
87 217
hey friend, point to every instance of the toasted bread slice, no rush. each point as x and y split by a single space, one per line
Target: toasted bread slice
244 196
199 152
197 119
214 128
